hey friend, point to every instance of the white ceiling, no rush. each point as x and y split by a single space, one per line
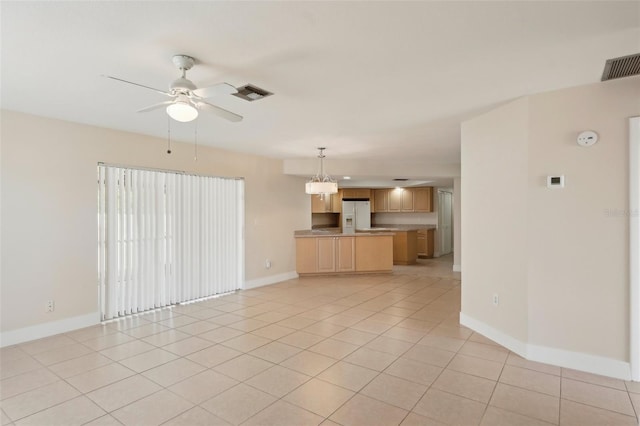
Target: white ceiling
382 81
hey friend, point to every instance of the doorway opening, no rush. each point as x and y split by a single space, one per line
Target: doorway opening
445 222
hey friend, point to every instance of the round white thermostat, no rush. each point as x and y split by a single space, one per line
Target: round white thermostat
587 138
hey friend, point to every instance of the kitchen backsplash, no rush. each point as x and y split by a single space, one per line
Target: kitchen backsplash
325 220
405 218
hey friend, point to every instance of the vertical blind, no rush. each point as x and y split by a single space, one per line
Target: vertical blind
166 238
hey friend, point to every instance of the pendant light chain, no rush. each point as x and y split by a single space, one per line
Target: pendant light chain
195 145
168 135
321 157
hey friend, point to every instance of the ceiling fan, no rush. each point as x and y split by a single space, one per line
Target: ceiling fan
187 100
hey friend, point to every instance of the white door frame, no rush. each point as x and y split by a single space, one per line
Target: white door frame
440 221
634 245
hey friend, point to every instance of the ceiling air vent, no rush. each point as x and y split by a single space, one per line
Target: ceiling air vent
251 93
624 66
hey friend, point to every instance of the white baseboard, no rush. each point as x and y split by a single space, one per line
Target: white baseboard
562 358
581 361
271 279
13 337
457 268
514 345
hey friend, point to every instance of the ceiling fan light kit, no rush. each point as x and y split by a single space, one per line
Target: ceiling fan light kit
322 183
182 110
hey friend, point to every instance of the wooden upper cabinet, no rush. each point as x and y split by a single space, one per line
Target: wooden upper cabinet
400 200
394 197
356 193
320 204
418 200
423 199
410 200
380 200
407 200
336 202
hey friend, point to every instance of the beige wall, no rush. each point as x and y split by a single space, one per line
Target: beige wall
49 190
557 249
494 218
457 221
581 253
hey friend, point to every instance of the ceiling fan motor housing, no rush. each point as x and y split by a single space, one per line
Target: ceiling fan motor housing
182 84
183 62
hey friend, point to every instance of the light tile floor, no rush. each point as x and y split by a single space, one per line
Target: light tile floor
363 350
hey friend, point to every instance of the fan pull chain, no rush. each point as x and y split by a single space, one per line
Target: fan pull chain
195 144
168 134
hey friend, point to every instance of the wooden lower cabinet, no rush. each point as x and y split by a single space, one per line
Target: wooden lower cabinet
425 243
332 254
307 255
344 254
336 254
405 248
374 254
326 254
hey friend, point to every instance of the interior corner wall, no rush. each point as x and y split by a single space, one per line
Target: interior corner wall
494 219
579 235
49 207
564 252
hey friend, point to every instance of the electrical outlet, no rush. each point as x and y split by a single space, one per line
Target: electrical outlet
496 299
267 264
50 307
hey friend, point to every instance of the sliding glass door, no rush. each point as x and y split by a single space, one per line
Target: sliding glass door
166 238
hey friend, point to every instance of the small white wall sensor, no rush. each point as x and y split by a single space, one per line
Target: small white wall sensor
555 181
587 138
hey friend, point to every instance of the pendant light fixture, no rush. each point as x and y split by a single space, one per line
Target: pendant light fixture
321 183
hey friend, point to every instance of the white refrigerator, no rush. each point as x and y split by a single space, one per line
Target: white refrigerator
356 215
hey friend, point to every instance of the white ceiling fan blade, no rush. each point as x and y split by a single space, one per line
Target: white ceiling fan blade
220 112
215 90
136 84
155 106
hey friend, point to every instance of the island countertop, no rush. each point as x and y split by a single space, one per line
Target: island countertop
335 232
408 227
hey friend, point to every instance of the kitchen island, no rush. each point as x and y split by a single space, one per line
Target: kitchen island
409 241
332 252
